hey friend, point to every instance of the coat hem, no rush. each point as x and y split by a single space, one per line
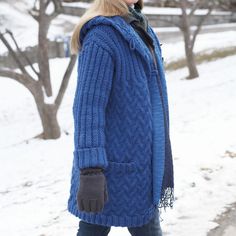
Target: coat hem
113 220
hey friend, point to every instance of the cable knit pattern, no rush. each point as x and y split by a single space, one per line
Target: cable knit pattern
113 121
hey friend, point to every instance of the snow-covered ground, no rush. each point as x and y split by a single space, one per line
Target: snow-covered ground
203 129
206 43
35 174
177 11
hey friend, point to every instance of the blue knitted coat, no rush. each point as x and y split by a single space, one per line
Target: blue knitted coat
113 118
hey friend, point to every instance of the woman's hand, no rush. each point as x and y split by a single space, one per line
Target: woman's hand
92 193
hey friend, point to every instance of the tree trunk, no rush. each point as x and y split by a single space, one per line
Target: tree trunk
191 63
43 60
185 28
48 115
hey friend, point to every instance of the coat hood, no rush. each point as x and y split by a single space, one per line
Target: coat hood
126 30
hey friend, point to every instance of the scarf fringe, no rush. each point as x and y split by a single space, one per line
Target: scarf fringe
167 199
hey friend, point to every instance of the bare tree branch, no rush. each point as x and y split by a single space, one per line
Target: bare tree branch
21 78
199 26
194 8
13 54
34 12
22 53
58 9
183 6
58 5
65 81
47 4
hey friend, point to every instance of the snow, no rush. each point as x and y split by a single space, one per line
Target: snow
156 10
176 29
25 28
177 11
76 4
36 173
203 128
12 18
205 43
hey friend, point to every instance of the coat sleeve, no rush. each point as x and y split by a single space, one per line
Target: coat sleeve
94 80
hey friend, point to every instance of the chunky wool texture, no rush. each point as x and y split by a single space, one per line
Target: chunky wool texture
163 182
113 119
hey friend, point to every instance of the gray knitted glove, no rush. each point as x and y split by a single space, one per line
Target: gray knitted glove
92 193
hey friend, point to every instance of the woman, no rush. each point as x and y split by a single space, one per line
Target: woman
122 168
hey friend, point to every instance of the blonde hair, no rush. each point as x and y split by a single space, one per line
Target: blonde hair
99 7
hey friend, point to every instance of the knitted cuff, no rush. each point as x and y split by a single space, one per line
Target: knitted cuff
91 170
91 157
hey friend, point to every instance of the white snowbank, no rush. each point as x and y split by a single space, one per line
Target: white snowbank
36 174
204 43
177 11
156 10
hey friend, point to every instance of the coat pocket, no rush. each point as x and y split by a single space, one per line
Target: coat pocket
120 167
122 186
